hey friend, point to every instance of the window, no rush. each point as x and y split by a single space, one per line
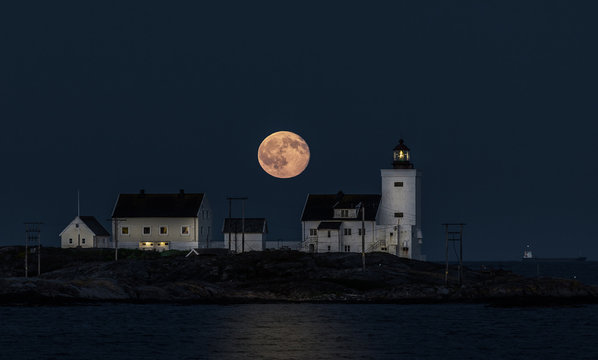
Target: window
76 225
147 230
344 213
328 248
398 214
163 230
70 241
398 183
124 230
347 231
329 236
359 231
82 241
185 229
347 248
313 232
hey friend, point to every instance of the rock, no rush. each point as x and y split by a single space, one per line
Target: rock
270 276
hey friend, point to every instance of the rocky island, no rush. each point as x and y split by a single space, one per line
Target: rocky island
75 276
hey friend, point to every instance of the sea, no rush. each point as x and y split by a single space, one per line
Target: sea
309 331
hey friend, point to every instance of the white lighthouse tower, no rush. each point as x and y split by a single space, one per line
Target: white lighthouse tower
400 211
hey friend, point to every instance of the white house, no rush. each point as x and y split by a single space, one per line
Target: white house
392 220
334 222
162 221
245 235
85 232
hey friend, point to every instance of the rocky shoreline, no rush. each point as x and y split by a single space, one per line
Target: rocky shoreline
78 277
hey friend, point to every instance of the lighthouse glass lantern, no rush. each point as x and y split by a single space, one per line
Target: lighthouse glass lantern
401 156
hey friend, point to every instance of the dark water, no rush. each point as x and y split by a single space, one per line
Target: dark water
298 331
309 331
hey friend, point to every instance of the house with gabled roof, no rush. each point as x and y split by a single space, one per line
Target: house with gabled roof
335 222
179 221
390 222
245 234
85 232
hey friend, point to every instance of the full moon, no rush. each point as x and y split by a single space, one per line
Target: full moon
283 154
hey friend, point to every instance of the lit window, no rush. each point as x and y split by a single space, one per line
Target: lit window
347 231
163 230
313 232
185 230
147 230
124 230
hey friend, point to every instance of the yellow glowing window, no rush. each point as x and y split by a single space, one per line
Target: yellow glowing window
163 230
124 230
185 230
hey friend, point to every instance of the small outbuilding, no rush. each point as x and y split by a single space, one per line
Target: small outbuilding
85 232
242 235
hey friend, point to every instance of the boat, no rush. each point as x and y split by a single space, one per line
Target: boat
529 257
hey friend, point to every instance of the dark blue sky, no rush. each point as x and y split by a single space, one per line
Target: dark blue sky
497 101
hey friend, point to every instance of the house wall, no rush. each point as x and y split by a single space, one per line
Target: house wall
176 240
205 231
338 241
253 242
103 242
72 232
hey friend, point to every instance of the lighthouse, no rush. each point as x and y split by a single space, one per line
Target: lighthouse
399 215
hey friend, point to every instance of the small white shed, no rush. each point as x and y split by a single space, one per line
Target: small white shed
242 235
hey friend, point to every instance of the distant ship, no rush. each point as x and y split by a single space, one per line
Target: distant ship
529 257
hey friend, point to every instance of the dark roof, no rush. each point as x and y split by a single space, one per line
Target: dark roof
157 205
94 225
329 225
252 225
321 206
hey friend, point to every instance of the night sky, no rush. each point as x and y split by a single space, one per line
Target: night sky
497 101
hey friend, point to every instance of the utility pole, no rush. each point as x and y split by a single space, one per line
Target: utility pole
243 226
116 236
363 236
32 234
230 200
451 234
242 221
